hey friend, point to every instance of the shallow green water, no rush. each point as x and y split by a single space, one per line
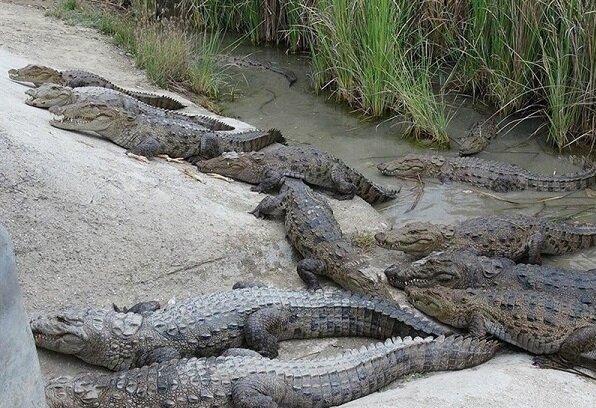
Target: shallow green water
266 101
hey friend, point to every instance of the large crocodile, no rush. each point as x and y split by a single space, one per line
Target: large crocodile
150 136
314 166
464 269
538 322
514 237
493 175
49 95
478 137
314 232
39 74
205 326
244 380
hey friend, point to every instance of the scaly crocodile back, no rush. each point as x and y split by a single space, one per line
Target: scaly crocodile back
78 78
326 382
503 177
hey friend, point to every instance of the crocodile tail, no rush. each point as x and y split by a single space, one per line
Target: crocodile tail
159 101
251 140
211 123
370 191
573 182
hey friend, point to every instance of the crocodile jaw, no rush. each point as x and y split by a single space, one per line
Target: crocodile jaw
56 334
79 123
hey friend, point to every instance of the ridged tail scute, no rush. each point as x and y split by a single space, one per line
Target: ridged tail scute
159 101
370 191
210 123
573 182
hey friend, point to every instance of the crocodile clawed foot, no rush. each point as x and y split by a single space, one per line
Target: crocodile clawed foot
256 189
137 157
555 363
169 159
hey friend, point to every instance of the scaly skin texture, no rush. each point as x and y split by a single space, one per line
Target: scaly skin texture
478 137
514 237
464 269
39 75
540 323
50 95
242 380
256 317
151 136
314 166
492 175
247 62
314 232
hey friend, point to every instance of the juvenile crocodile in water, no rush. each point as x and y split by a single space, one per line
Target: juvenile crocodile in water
150 136
245 380
464 269
493 175
478 137
205 326
514 237
314 232
538 322
314 166
49 95
39 74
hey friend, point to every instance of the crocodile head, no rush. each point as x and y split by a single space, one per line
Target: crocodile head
417 238
449 306
240 166
90 117
48 95
454 269
99 337
478 137
70 392
37 74
413 165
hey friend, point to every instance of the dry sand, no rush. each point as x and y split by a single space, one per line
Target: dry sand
92 226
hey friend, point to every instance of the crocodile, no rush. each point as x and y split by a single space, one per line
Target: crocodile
239 61
464 269
514 237
248 380
493 175
315 233
49 95
39 74
538 322
478 137
149 136
314 166
253 316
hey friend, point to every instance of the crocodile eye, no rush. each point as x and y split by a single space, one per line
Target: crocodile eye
444 277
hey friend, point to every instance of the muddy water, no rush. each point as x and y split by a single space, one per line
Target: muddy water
266 101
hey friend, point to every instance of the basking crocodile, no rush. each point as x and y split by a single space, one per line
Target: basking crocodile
464 269
49 95
243 379
540 323
314 232
478 137
151 136
210 324
514 237
493 175
39 74
314 166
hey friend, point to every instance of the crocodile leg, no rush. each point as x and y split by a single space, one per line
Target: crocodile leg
535 243
583 340
477 326
148 147
157 355
343 184
262 327
266 391
271 181
269 205
308 269
210 146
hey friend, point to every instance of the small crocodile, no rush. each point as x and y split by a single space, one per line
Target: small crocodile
538 322
478 137
492 175
208 325
150 136
245 380
514 237
314 232
49 95
39 74
464 269
314 166
250 63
